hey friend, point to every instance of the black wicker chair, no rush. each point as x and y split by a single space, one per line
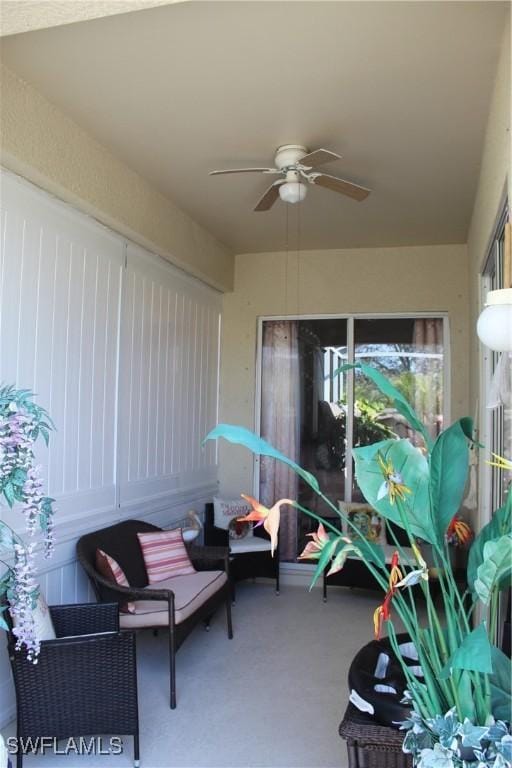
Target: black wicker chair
84 684
242 565
120 542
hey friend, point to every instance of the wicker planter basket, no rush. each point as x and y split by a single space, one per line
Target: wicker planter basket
370 745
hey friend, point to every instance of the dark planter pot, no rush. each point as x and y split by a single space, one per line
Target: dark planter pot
377 682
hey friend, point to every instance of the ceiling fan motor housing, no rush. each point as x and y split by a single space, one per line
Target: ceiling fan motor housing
288 155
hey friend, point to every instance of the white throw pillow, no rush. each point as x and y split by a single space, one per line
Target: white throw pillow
224 510
43 623
43 620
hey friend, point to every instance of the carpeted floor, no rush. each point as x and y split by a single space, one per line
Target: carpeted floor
272 697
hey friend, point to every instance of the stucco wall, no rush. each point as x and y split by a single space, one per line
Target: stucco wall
44 145
375 280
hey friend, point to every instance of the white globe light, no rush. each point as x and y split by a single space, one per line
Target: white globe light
494 327
292 191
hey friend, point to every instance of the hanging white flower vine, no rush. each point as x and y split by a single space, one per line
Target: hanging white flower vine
22 422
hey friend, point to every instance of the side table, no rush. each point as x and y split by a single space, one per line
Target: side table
370 745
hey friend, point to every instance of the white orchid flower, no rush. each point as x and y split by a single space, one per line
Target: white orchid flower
412 578
415 576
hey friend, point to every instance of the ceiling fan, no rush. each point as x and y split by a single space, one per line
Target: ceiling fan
297 167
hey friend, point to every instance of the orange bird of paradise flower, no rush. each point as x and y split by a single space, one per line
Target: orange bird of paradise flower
320 539
459 532
313 549
393 485
269 518
383 612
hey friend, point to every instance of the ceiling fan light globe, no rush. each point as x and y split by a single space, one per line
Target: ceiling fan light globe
292 192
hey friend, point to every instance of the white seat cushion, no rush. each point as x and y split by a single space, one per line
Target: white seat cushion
249 544
190 592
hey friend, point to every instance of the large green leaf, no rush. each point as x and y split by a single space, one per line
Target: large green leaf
449 464
496 569
500 525
399 401
413 468
473 654
256 444
464 685
501 689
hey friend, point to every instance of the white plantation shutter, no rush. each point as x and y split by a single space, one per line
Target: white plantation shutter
123 351
59 312
169 380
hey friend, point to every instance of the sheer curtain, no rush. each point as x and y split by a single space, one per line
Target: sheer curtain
428 381
280 423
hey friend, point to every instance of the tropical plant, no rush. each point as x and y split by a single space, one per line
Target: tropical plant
465 676
22 422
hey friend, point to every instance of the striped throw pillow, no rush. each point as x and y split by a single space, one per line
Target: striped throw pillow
111 570
165 555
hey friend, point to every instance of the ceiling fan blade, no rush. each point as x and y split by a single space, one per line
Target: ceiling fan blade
245 170
319 157
266 202
340 185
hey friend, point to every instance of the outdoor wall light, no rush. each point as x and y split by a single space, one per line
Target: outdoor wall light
494 326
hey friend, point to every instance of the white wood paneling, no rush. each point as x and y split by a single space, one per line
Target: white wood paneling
169 380
59 309
123 351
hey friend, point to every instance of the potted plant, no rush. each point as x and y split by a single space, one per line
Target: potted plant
22 422
461 704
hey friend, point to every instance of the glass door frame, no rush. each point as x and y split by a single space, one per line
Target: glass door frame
490 278
350 318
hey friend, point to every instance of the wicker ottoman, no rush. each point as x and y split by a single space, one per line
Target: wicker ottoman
370 745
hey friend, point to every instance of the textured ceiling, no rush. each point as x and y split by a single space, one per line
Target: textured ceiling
17 16
400 89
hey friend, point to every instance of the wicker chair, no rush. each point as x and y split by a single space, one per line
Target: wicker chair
176 608
247 563
84 683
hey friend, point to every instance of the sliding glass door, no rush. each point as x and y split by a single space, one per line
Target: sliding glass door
316 414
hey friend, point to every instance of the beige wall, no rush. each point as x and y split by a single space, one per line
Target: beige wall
430 278
44 145
495 183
